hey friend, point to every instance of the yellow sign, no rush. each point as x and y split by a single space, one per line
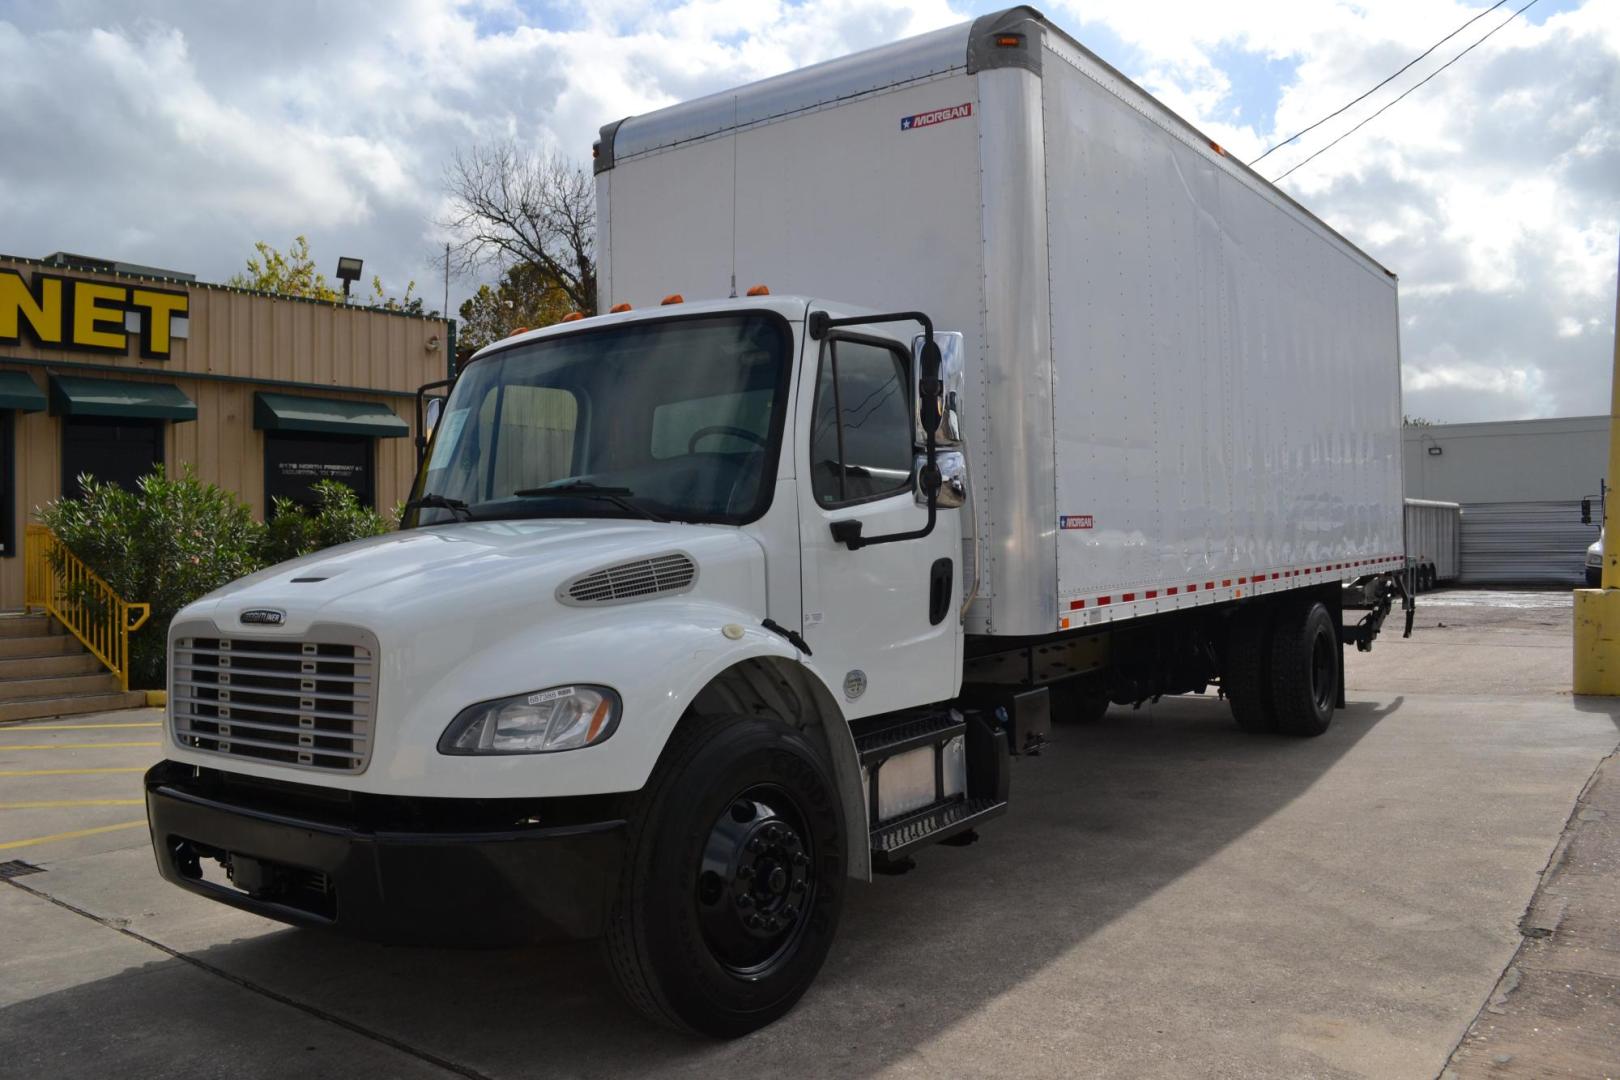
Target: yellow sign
58 312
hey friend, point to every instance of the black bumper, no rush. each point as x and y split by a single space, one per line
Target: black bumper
1594 577
422 871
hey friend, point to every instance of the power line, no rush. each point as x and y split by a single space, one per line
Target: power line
1380 86
1380 112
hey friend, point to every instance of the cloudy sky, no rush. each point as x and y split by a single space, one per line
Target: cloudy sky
176 134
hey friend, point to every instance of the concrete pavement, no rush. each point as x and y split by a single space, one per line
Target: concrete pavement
1166 897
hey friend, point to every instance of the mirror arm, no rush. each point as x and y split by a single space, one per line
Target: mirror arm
421 435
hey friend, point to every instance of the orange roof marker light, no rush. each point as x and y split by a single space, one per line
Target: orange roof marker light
616 308
572 316
519 330
1009 41
759 290
672 298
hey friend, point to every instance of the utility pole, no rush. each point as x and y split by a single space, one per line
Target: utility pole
446 309
1597 611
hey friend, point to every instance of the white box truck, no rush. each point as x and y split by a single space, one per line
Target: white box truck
706 608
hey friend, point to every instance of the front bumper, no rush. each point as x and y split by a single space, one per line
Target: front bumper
420 871
1594 577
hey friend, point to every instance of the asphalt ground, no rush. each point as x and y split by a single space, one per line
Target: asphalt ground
1166 897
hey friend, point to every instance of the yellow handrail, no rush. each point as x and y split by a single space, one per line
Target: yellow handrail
59 582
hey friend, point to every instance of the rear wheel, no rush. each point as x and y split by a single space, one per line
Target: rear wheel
733 878
1248 660
1304 669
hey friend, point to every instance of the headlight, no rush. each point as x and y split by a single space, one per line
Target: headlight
562 718
1594 558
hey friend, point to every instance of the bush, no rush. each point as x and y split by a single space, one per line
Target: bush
165 544
338 518
173 540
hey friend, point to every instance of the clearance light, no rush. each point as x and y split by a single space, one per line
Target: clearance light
672 298
1217 147
519 330
573 316
616 308
759 290
1009 41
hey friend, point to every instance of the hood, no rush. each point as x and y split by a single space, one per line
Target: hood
488 566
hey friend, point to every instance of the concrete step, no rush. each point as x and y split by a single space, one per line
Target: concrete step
69 705
52 686
20 625
46 665
43 645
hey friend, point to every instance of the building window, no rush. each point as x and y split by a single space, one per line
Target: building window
113 450
294 461
8 483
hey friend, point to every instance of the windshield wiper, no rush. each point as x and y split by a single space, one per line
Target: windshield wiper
433 501
584 489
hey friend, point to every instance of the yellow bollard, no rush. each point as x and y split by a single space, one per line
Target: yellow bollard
1597 611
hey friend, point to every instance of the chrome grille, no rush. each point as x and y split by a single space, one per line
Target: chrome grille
645 577
309 704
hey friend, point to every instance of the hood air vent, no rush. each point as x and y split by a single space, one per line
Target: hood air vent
670 573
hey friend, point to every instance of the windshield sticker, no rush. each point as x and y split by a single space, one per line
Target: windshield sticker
449 432
938 116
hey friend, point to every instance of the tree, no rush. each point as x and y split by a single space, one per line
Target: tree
289 274
526 298
510 207
410 305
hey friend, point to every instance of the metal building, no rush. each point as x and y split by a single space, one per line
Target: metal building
1520 483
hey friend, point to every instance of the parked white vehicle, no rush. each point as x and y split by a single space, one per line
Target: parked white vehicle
706 609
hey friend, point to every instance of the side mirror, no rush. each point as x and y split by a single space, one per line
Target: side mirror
1586 511
948 403
430 418
952 471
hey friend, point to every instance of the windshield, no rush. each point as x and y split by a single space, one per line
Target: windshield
674 419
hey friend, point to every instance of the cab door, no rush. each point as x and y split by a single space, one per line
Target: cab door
881 620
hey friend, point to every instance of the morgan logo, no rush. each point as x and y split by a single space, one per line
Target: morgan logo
1074 521
264 616
938 116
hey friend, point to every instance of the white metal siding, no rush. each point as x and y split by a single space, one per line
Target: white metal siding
1226 389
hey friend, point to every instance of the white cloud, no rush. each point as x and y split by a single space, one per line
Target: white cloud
181 134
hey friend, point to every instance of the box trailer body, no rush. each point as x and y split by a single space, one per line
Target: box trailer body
1434 540
1183 387
704 606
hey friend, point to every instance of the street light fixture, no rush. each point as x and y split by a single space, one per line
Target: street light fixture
348 272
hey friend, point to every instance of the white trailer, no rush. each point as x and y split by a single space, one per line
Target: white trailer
703 609
1433 542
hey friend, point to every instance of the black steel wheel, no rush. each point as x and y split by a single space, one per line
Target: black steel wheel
1305 652
733 879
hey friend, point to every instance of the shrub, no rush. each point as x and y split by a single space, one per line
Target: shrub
338 518
165 544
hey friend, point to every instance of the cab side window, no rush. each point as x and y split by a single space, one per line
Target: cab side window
860 439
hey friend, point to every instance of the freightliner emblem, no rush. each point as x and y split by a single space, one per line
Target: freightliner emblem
264 616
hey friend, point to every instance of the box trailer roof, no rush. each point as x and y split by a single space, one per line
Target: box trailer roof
982 44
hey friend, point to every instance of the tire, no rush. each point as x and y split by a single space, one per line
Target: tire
1304 669
1248 661
733 804
1076 702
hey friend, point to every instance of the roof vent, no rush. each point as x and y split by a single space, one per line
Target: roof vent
671 573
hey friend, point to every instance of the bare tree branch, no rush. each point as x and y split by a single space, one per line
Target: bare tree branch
512 207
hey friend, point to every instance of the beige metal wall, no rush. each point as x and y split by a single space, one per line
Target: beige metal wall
239 342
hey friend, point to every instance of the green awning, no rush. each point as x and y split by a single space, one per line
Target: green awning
286 412
74 396
18 391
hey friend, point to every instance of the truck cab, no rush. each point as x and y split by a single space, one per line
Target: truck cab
730 518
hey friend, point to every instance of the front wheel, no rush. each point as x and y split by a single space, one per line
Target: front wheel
733 878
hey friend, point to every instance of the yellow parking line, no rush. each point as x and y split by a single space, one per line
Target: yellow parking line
67 772
74 835
72 745
41 805
35 725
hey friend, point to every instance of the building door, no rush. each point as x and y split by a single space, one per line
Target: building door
110 449
295 460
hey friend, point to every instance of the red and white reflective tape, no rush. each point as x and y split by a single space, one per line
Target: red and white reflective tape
1258 578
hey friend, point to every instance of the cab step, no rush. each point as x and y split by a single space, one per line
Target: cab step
892 843
908 732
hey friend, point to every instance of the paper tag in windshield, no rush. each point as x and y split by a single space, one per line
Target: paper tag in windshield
444 443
